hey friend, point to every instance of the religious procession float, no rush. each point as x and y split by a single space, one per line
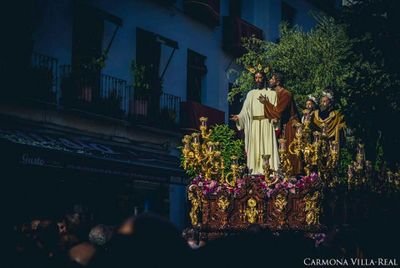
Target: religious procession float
225 197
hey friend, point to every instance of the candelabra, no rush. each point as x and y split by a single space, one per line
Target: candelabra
201 156
232 176
359 173
316 151
285 164
268 171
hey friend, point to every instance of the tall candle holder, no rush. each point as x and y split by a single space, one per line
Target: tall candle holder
285 164
232 176
203 156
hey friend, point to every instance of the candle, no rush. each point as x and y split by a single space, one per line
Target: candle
203 121
195 138
210 146
282 145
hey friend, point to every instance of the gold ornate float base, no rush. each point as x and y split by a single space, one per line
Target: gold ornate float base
231 210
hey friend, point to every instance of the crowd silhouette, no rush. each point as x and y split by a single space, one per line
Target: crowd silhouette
149 240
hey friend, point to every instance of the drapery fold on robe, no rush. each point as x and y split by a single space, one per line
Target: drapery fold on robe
286 111
334 124
259 132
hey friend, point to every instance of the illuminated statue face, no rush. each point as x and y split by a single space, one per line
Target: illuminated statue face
325 103
274 82
310 105
259 79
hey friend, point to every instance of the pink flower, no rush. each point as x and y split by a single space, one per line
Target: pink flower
213 184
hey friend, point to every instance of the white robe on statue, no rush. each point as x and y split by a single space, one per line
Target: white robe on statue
260 138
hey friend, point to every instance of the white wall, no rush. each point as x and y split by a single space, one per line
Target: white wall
54 38
266 15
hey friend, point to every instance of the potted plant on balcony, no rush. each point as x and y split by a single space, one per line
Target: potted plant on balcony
141 89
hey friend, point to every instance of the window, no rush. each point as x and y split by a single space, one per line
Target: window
196 71
288 13
148 54
235 106
91 41
235 7
86 48
154 52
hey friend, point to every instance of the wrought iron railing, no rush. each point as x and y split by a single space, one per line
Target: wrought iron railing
92 91
170 107
43 78
162 110
86 89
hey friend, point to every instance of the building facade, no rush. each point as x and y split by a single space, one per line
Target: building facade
111 88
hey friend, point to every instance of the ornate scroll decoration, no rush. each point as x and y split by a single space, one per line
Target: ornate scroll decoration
251 212
280 208
280 203
195 208
223 203
312 208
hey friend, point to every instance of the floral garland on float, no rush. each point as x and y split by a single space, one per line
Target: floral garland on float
223 196
292 186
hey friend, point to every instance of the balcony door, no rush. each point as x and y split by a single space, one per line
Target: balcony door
88 31
196 72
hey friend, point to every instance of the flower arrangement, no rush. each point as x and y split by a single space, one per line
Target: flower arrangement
293 186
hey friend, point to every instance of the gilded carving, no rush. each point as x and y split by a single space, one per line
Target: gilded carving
251 212
280 203
223 203
312 208
195 208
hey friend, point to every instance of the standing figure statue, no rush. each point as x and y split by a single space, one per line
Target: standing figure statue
259 131
285 111
328 119
311 106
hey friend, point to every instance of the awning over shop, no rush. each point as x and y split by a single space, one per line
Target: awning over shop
62 150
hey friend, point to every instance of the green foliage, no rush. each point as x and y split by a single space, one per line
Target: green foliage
310 61
346 157
229 146
373 92
140 84
191 172
355 56
100 62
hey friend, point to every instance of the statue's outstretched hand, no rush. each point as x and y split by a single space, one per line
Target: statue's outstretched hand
263 99
234 117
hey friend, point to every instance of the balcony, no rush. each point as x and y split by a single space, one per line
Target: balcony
206 11
43 74
161 111
93 92
191 112
234 29
88 90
